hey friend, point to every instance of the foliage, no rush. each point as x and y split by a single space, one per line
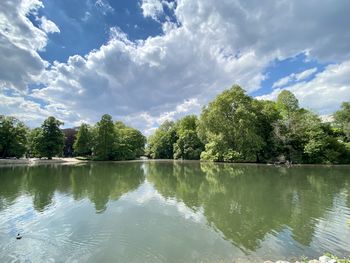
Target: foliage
83 144
70 137
131 142
50 140
342 119
188 145
33 142
237 128
230 127
161 143
106 139
13 137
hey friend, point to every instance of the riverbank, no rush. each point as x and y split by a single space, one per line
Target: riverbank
35 161
72 160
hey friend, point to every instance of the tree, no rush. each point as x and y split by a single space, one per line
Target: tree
83 143
50 140
131 142
106 139
161 143
188 145
13 137
287 103
342 119
70 137
33 142
289 127
229 127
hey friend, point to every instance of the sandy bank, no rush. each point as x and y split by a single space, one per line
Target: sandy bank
34 161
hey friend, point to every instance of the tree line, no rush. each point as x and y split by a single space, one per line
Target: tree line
235 127
107 140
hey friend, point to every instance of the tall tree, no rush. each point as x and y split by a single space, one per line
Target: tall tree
287 103
188 145
70 137
161 143
50 141
13 137
33 142
342 119
83 143
229 126
106 139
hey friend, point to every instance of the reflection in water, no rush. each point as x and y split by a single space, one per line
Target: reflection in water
245 210
97 182
247 202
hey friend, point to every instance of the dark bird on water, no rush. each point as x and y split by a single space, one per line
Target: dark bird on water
18 236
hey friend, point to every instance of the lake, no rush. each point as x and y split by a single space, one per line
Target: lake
172 212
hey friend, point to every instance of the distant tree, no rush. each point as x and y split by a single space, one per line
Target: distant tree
188 145
33 142
342 119
13 137
106 139
83 143
131 142
50 140
70 137
161 143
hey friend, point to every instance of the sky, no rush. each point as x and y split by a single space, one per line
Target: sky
147 61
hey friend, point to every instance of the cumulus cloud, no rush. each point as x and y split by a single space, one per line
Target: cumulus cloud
152 8
19 42
325 92
48 26
211 45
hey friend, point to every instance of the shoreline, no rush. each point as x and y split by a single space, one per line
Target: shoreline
73 160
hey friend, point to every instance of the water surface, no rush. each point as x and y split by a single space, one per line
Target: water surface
172 212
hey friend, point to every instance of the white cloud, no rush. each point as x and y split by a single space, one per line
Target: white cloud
325 92
48 26
294 77
19 42
283 81
152 8
213 45
305 74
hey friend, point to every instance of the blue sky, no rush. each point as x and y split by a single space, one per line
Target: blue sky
146 61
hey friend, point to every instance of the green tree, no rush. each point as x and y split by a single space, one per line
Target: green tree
83 143
188 145
161 143
33 142
229 127
342 119
287 103
131 142
50 140
13 137
106 139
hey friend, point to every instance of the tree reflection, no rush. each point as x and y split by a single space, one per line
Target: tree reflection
247 202
100 183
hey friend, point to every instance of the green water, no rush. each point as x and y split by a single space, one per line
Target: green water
172 212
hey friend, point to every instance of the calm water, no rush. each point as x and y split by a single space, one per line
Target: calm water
172 212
